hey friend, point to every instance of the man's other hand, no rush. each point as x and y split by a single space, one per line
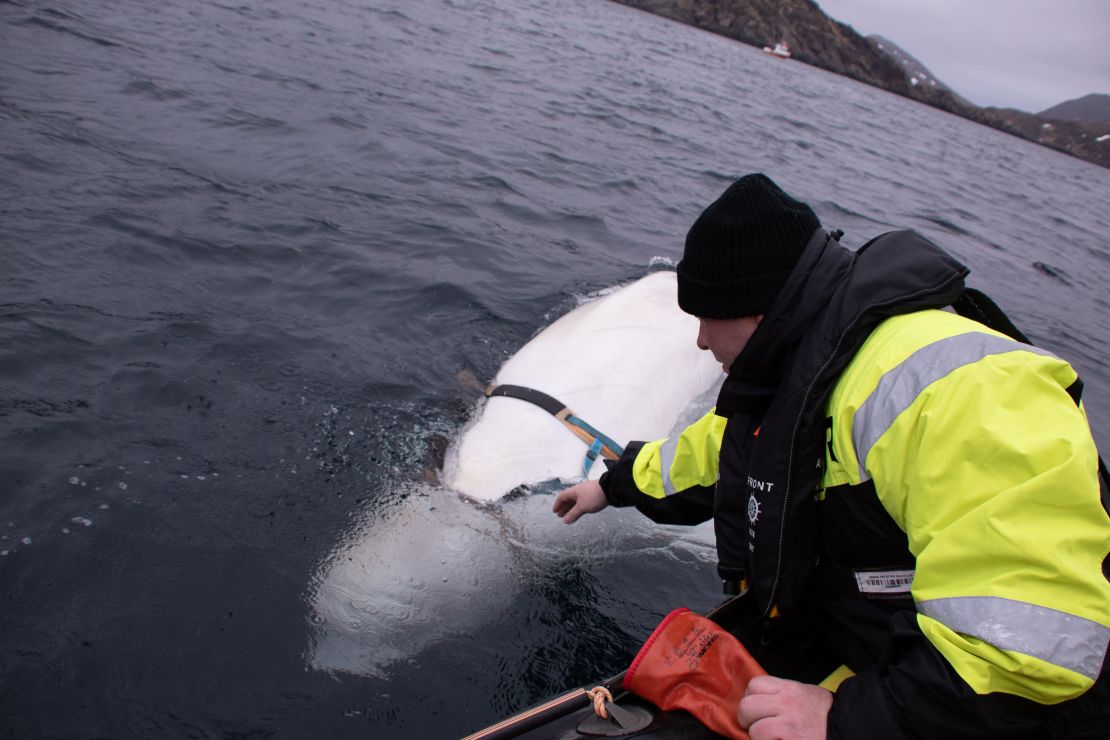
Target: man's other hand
778 709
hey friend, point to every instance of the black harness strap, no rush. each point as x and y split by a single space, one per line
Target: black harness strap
551 405
599 443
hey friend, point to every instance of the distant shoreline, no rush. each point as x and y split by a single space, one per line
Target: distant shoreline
820 41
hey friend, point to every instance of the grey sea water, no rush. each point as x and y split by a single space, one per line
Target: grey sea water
248 246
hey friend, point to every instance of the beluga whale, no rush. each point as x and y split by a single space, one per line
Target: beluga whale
623 365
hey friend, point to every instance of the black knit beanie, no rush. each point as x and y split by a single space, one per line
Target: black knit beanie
741 249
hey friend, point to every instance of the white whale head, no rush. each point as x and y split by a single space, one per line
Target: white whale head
436 564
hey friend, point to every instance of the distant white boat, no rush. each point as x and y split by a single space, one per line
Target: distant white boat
780 50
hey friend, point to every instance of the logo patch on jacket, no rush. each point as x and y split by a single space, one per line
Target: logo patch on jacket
753 509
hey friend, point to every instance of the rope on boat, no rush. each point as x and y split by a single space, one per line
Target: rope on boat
600 696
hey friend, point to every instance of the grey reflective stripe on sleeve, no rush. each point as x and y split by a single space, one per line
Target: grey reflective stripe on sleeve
900 386
667 451
1055 637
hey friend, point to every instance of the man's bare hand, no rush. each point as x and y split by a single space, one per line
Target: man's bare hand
778 709
583 498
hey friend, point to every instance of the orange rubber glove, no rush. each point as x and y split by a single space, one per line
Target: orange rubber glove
691 663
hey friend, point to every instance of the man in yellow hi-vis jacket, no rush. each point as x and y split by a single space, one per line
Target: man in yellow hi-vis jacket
907 491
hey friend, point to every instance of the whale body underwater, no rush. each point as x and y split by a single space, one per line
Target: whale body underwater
437 564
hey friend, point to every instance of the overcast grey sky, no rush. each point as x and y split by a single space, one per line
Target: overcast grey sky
1025 54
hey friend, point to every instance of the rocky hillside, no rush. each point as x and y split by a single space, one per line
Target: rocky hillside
816 39
917 72
1090 141
1093 108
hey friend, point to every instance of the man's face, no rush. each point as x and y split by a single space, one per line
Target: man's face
726 338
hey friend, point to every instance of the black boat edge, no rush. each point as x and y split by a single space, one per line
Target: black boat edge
572 715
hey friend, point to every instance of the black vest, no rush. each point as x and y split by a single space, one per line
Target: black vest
773 450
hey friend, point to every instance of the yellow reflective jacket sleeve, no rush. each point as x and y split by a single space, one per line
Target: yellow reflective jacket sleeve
978 452
684 462
673 480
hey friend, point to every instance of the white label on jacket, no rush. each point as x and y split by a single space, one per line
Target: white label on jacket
884 581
